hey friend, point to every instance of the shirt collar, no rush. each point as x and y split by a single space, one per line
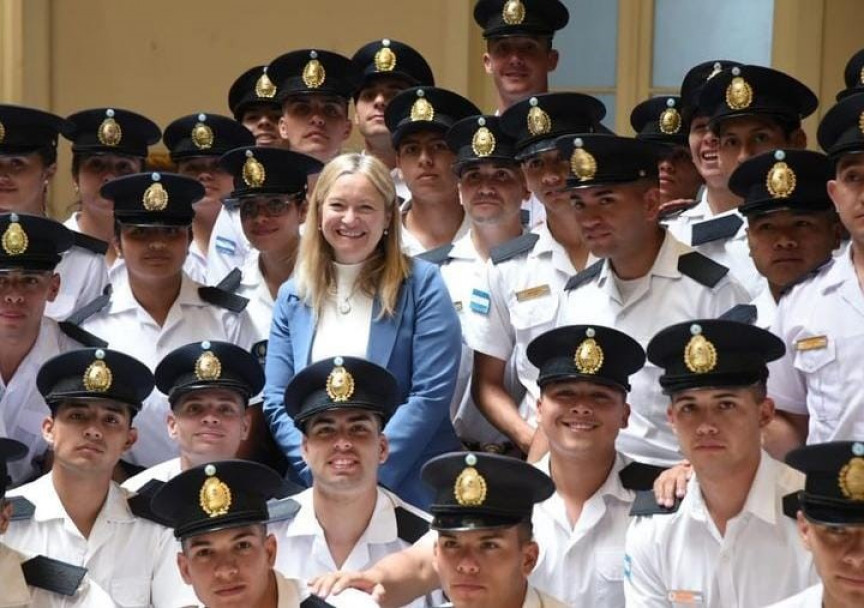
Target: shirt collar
49 506
123 299
381 529
464 249
665 264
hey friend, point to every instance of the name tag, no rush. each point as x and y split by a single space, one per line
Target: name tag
458 305
480 302
682 596
814 343
532 293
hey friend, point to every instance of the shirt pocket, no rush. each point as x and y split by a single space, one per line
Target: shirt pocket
609 581
131 592
821 369
534 316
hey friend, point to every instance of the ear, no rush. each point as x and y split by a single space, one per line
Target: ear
625 417
54 287
804 529
348 126
356 115
50 171
766 412
48 430
652 203
183 566
171 422
247 424
283 128
116 243
301 211
530 555
552 60
304 449
131 438
487 63
384 445
5 517
670 417
540 408
270 549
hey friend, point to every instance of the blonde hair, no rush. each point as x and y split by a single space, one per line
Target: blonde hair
384 271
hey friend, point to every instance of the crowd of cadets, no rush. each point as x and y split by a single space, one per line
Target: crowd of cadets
608 432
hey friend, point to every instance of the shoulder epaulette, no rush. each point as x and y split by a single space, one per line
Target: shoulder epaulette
584 276
282 509
742 313
410 526
791 505
259 351
89 243
139 503
439 255
513 247
524 217
313 601
223 299
22 509
701 269
92 307
53 575
646 504
807 276
639 476
715 229
231 281
82 336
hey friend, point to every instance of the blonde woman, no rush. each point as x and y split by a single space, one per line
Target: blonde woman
354 293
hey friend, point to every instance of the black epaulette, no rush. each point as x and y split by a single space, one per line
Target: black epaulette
313 601
438 256
92 307
513 247
410 526
231 281
807 276
715 229
701 269
282 509
259 351
53 575
89 243
139 503
638 476
791 505
524 217
741 313
82 336
223 299
584 276
22 509
646 504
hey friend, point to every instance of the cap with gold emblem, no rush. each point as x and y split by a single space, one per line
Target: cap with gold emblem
659 119
586 352
153 199
338 383
842 128
538 121
94 373
783 179
853 76
218 496
259 171
479 139
694 81
209 364
10 451
712 353
501 18
425 109
253 87
391 59
748 90
834 490
608 159
24 130
205 135
112 130
477 491
30 242
312 71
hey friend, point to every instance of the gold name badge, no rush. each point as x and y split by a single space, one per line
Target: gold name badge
532 293
814 343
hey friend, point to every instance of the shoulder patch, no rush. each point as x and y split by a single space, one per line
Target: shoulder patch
742 313
313 601
82 336
282 509
410 526
513 247
92 307
584 276
139 503
223 299
639 476
646 504
53 575
89 243
701 269
439 255
22 509
791 505
716 229
231 281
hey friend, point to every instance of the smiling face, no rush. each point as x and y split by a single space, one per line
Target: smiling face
23 179
743 137
272 222
353 218
546 175
519 66
316 125
209 424
838 553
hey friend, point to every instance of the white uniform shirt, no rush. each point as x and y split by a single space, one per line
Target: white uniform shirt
130 329
523 303
228 245
412 246
809 598
821 321
766 309
22 408
254 288
681 226
83 277
583 565
302 550
538 599
666 297
680 559
131 559
164 471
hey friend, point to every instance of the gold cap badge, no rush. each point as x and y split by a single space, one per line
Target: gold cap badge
2 132
264 87
851 479
582 163
861 122
781 179
739 93
15 241
385 58
670 119
588 357
254 173
483 142
98 377
340 382
469 488
422 109
155 196
700 356
109 132
313 73
513 12
861 76
208 366
215 495
202 134
539 122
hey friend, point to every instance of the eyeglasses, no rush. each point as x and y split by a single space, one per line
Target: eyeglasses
270 207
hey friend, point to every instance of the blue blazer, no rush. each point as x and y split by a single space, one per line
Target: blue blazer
420 345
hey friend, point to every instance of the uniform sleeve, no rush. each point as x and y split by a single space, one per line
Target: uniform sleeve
492 334
168 590
728 294
643 583
787 385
